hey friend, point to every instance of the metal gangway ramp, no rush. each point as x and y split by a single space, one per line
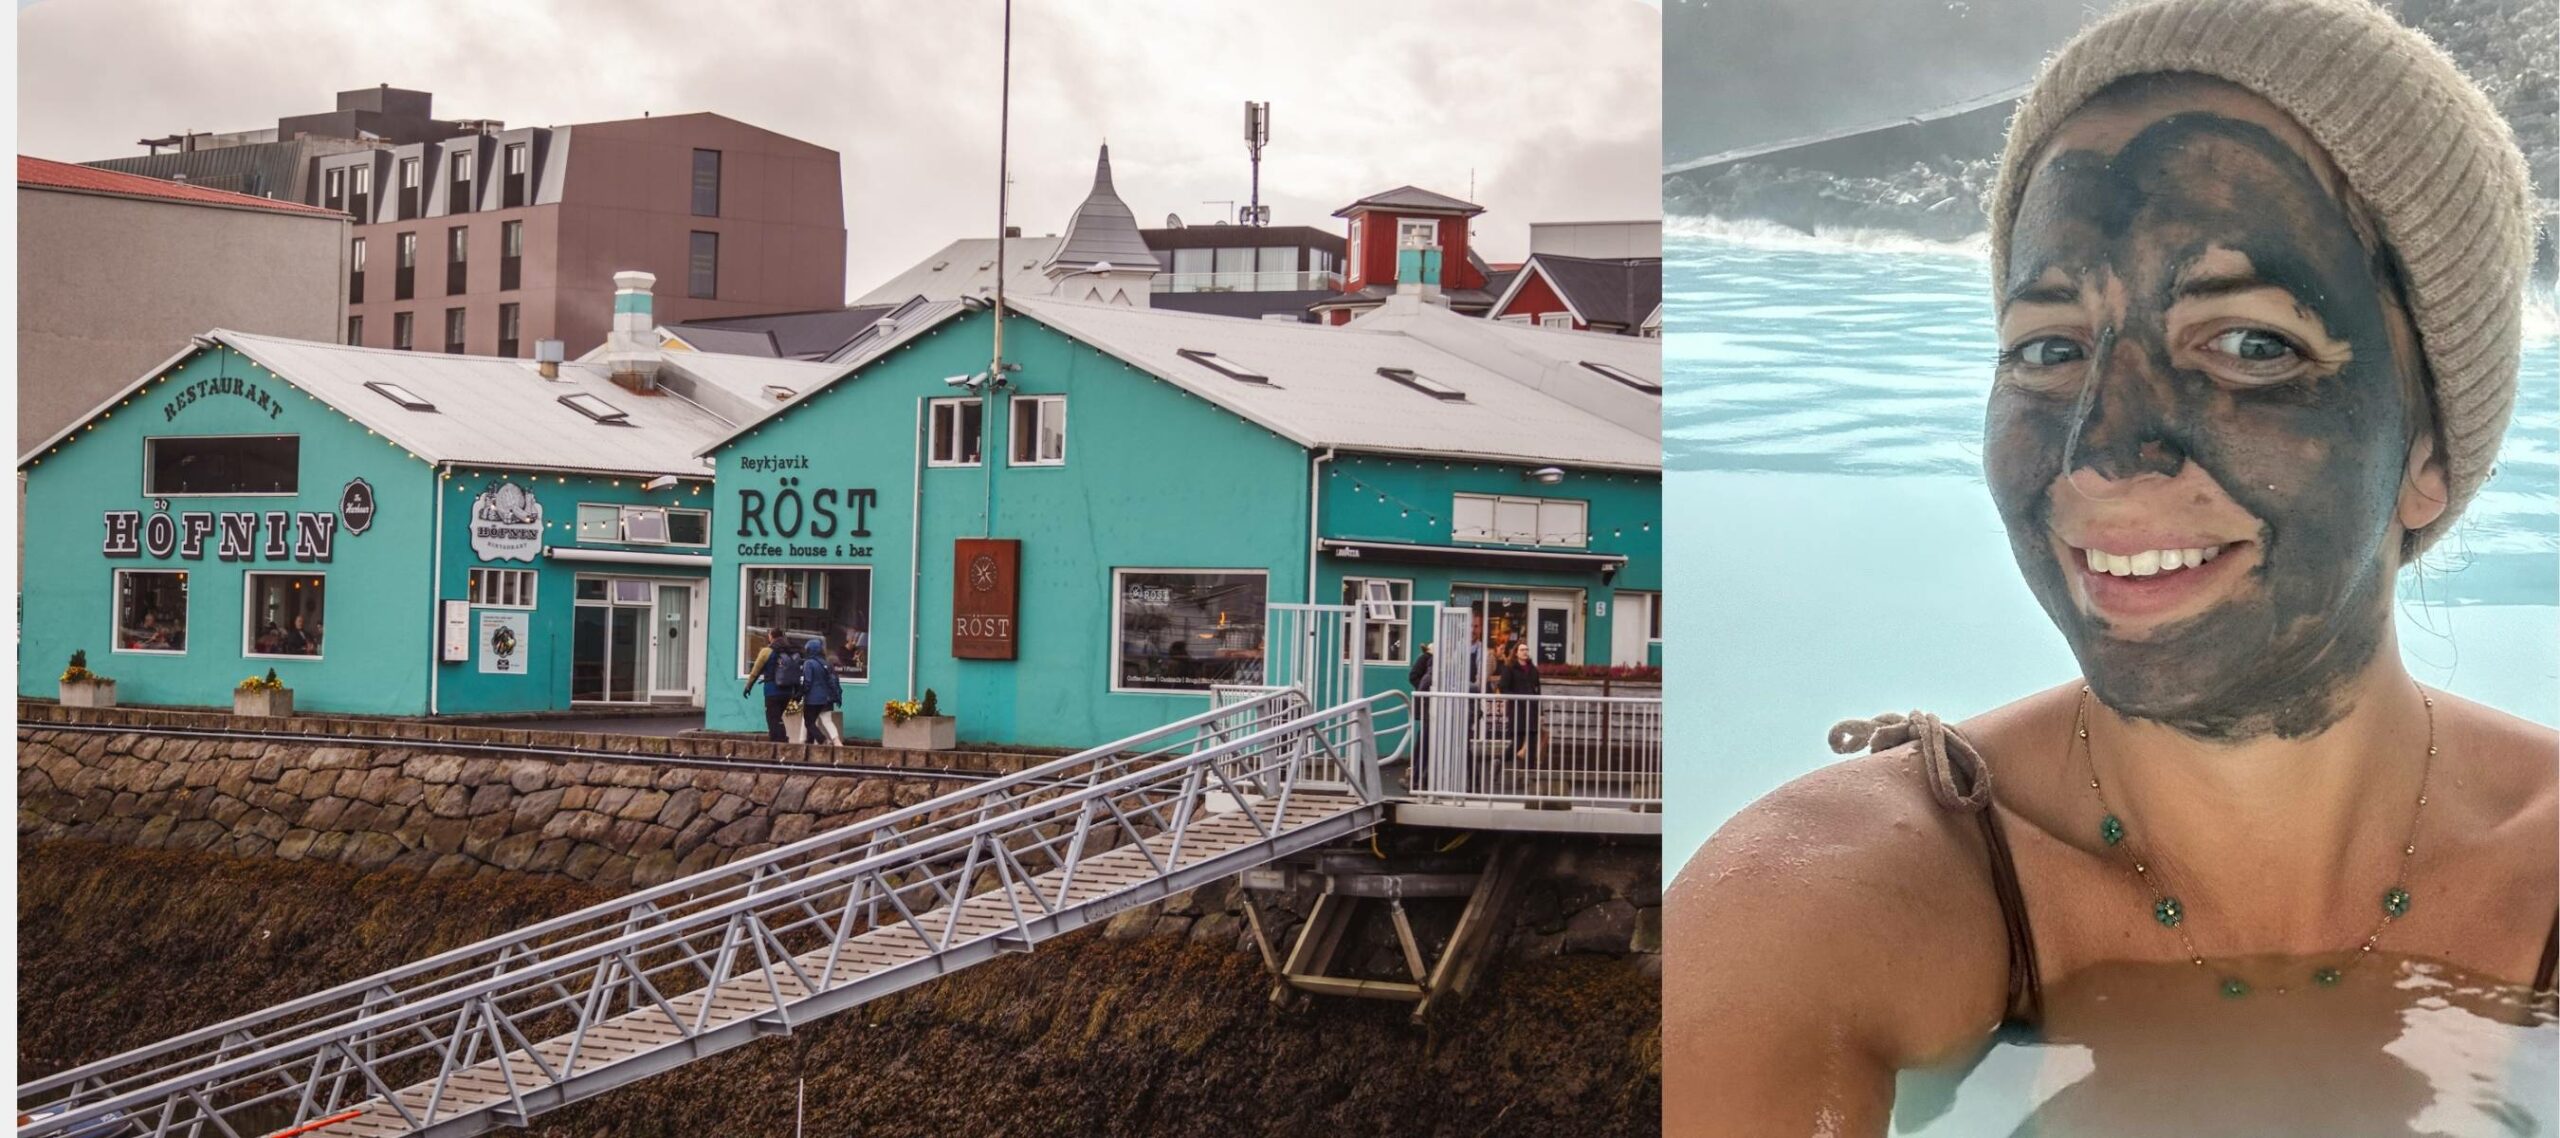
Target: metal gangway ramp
494 1033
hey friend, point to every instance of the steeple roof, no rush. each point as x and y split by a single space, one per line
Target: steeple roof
1103 229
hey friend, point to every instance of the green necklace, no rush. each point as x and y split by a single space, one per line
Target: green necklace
2171 915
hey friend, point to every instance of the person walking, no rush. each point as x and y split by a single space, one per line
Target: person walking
777 667
820 693
1520 679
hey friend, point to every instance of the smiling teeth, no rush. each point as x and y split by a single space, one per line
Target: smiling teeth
2149 562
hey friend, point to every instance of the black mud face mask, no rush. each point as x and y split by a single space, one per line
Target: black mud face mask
2317 460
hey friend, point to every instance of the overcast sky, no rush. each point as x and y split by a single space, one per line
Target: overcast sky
1553 107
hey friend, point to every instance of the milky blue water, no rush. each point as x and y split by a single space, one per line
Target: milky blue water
1832 550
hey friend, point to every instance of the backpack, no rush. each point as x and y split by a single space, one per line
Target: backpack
820 678
785 678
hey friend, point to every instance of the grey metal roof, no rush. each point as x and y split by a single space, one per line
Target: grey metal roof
967 268
1102 230
1248 305
792 335
498 412
729 341
1411 197
1618 291
1325 390
914 319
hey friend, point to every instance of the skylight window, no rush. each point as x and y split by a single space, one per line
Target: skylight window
597 409
1631 379
403 396
1222 366
1424 384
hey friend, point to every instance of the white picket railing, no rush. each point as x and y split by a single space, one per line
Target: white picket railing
1572 751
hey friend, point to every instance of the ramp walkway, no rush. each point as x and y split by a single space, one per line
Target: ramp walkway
495 1033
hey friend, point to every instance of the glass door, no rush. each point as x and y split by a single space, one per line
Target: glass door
610 644
1551 628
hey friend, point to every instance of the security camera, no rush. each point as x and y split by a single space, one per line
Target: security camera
965 381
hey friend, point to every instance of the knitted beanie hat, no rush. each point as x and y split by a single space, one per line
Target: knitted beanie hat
2420 144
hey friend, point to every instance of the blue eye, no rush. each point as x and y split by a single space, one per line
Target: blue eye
2252 345
2049 351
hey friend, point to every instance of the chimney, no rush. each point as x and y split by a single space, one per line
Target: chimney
1013 231
547 355
631 349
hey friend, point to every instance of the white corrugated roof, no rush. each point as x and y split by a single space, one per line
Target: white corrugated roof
1549 359
1325 390
967 268
1528 399
500 412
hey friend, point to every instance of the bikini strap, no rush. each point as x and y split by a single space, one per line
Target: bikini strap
2543 976
1961 781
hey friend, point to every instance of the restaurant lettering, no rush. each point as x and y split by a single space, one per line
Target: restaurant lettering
506 524
222 385
985 595
790 512
290 535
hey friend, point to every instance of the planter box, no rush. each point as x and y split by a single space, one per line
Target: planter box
96 694
919 733
276 704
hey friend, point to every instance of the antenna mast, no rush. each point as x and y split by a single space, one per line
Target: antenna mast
1257 134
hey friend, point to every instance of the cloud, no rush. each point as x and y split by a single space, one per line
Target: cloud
1545 104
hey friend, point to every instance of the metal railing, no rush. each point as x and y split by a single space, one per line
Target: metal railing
1311 281
683 970
1579 751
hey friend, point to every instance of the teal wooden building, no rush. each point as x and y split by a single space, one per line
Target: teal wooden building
392 533
1086 548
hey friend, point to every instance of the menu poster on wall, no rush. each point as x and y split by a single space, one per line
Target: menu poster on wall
504 640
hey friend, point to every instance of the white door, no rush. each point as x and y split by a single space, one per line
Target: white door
1630 629
674 646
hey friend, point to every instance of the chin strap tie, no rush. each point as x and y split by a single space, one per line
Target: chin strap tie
1957 776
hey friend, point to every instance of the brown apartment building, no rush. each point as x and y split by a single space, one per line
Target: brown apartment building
472 237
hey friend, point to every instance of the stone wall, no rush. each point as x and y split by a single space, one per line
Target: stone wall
376 796
377 803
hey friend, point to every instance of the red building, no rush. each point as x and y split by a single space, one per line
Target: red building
1408 236
1621 295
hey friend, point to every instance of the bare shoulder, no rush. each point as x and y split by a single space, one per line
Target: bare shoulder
2504 770
1836 930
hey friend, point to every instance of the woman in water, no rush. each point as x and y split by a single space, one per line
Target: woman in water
2258 267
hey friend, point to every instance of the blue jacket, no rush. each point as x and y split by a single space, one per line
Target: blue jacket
818 683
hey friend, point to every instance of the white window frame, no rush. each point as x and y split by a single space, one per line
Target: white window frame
526 585
149 452
1562 320
870 587
1111 661
936 434
115 616
1538 533
1431 223
1400 594
249 613
621 532
1015 436
1523 319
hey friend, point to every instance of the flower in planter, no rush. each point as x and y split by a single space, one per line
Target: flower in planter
901 710
267 682
79 673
